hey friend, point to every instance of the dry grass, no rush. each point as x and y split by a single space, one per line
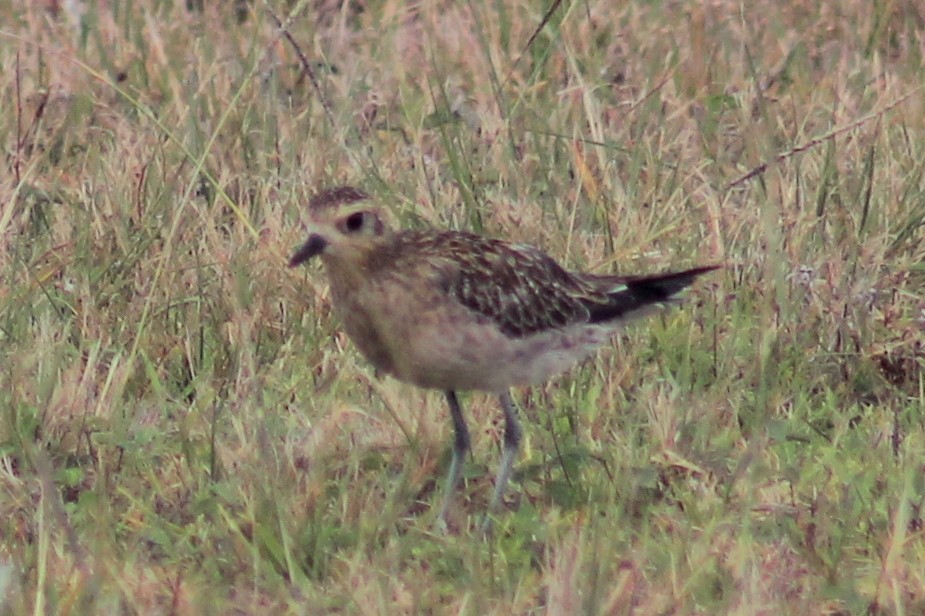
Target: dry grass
184 431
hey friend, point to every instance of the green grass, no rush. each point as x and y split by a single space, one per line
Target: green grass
183 429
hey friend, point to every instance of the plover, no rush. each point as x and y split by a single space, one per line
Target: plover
457 311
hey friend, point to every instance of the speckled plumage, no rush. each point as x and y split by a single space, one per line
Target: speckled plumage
458 311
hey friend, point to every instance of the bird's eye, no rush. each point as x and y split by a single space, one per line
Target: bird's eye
354 222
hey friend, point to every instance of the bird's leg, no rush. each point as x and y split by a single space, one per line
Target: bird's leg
460 447
512 436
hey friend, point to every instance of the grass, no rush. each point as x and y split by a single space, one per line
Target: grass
184 430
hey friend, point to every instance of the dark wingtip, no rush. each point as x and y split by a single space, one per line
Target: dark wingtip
703 269
691 273
665 286
640 292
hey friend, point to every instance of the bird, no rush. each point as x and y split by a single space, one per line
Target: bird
457 311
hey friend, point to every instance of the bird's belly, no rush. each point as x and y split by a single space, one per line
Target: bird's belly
483 358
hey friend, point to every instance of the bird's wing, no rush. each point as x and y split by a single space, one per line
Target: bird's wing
626 295
524 291
521 289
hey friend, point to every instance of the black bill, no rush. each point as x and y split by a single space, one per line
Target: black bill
312 247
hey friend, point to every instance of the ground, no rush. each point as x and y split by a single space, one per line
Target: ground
184 430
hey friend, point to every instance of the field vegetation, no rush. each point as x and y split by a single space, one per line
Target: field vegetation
184 430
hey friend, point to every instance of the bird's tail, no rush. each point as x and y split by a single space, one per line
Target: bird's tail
630 296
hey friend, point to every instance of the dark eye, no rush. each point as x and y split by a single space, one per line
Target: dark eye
354 222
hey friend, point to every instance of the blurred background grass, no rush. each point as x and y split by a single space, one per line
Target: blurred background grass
185 431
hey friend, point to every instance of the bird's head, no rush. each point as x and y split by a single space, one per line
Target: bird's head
344 226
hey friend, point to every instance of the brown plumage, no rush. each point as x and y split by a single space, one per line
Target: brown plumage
458 311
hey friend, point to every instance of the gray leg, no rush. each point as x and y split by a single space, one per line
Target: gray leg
460 447
512 437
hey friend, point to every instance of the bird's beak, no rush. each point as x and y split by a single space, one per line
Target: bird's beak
313 246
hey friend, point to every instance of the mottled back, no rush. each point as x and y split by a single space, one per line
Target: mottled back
518 287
